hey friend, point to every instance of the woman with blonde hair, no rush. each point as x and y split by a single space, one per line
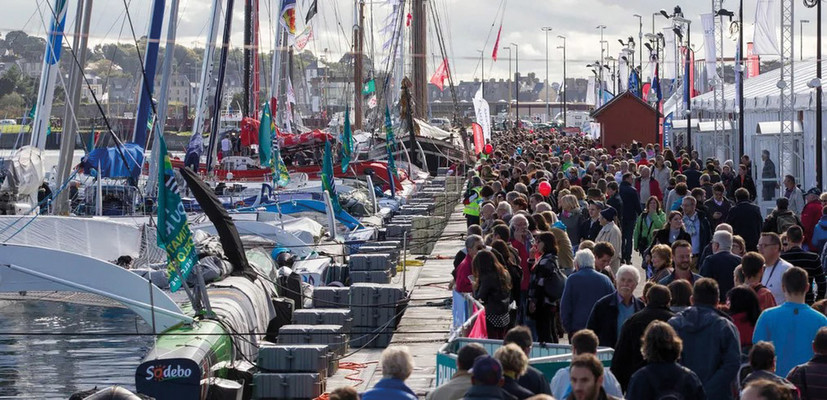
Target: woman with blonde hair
661 256
515 363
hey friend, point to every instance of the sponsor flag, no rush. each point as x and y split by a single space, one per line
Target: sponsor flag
667 130
311 11
327 177
304 38
479 140
288 15
497 43
482 113
173 231
369 87
767 26
390 146
265 134
347 142
373 102
753 61
710 48
440 75
634 83
656 83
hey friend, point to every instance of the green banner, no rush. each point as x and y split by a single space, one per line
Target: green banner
369 87
173 231
347 142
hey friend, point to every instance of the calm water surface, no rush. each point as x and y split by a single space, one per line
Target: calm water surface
54 367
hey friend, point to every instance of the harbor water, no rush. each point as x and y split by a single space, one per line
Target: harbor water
38 366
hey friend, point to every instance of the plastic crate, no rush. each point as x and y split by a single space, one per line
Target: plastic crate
294 357
383 277
324 316
291 386
375 305
369 262
331 297
331 335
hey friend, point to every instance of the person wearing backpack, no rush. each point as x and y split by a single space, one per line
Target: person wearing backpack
610 312
545 288
781 218
663 378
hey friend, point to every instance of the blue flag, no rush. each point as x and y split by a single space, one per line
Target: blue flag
634 83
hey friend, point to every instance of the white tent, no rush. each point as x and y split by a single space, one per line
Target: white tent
762 103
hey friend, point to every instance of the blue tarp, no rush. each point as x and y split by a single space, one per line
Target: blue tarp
112 163
297 206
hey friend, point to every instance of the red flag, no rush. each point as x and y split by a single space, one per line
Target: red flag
408 20
497 43
753 62
479 140
646 88
440 75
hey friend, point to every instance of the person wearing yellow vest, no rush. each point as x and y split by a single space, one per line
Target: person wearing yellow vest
472 201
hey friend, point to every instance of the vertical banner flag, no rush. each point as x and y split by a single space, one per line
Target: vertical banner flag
369 87
656 82
591 98
767 26
687 80
667 130
753 61
347 142
739 72
440 75
482 113
479 141
497 43
390 146
669 55
279 170
710 48
623 70
634 83
327 177
288 15
173 231
311 11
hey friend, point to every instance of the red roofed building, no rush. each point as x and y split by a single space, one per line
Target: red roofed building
624 119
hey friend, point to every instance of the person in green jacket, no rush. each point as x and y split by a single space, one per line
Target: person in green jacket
652 219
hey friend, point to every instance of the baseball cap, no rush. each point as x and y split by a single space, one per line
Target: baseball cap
487 370
814 190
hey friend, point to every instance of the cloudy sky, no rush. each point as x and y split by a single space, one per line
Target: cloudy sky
467 25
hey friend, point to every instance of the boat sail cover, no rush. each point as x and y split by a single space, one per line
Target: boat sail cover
112 163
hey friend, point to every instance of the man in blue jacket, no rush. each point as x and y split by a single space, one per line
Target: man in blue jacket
583 289
721 265
711 347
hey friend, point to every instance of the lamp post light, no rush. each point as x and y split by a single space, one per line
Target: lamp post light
565 92
600 70
640 39
547 29
517 80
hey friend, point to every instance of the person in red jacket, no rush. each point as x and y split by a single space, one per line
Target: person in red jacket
648 182
811 214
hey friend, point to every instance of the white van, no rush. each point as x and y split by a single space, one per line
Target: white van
8 122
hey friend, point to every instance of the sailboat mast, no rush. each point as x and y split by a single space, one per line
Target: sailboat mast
248 41
48 76
67 139
254 101
358 56
163 98
420 85
148 78
206 70
219 88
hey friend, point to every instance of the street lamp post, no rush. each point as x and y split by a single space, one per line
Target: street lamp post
517 80
509 77
482 80
640 40
739 69
600 69
565 92
547 29
801 37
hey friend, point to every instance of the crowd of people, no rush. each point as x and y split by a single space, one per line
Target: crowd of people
560 234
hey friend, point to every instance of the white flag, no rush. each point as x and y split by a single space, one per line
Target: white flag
483 114
668 65
710 49
590 98
372 101
767 25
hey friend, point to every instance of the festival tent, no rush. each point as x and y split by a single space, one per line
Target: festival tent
762 103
